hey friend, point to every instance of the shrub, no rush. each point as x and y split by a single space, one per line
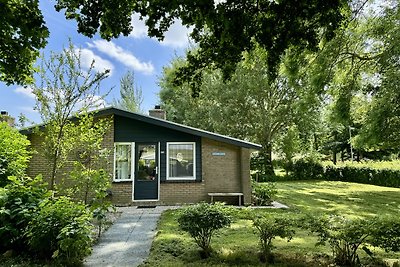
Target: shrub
346 237
263 194
306 170
60 230
14 155
19 201
201 221
268 228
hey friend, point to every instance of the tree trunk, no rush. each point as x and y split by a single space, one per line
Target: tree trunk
334 157
267 153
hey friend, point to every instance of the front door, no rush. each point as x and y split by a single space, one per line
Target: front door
146 172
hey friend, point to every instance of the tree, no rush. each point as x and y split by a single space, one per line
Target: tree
14 153
223 30
64 88
131 95
250 106
22 33
358 70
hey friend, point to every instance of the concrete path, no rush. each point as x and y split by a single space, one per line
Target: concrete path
127 242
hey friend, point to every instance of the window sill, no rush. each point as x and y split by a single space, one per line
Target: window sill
121 181
176 181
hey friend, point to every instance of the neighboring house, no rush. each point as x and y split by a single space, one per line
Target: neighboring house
162 162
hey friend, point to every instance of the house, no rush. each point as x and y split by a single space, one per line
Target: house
161 162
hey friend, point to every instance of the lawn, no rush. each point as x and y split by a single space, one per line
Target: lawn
237 245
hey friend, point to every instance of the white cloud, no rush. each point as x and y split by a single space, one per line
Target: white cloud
123 56
100 64
139 28
26 91
177 35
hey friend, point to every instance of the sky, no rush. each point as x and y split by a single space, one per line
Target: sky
136 52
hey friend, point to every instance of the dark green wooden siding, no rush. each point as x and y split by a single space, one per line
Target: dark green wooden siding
129 130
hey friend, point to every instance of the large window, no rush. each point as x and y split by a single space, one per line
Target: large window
181 161
122 162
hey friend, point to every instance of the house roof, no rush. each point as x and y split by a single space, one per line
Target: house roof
167 124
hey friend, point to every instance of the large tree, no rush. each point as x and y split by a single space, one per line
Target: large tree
22 33
223 30
358 69
250 106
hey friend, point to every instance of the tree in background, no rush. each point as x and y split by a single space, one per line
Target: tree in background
64 88
358 71
14 153
131 95
250 106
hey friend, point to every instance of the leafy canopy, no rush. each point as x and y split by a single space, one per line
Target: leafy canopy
22 33
223 30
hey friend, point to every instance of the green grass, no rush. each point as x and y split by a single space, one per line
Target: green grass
238 245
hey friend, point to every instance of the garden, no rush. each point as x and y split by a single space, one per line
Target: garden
326 220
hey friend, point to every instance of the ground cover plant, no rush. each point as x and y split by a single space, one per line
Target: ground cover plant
238 244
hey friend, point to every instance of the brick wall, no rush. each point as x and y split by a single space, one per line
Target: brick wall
40 165
179 193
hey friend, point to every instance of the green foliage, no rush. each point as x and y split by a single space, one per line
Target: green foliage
304 169
22 33
62 89
201 221
14 154
263 193
268 228
88 180
19 201
365 175
131 95
222 30
256 107
60 230
346 236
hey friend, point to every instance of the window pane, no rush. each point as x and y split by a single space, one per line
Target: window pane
123 162
181 158
146 163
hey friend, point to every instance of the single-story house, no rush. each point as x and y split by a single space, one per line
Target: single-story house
161 162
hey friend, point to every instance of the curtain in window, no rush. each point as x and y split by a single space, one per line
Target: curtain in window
123 162
181 158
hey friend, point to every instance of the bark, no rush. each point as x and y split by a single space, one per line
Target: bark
267 153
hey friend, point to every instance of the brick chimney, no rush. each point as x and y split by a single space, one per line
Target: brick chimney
7 118
157 112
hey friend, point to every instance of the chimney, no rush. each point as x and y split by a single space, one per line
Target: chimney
157 112
7 118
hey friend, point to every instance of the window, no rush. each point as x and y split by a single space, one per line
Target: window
181 161
122 162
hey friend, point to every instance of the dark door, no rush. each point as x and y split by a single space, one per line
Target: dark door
146 171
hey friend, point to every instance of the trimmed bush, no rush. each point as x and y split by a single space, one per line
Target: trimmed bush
306 170
61 230
201 221
263 194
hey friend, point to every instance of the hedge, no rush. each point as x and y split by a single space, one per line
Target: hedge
307 170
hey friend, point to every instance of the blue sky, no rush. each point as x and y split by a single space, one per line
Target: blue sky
145 56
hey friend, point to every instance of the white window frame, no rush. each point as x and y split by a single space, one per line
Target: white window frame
132 162
191 178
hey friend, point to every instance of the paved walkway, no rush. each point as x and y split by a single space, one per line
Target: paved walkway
127 242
